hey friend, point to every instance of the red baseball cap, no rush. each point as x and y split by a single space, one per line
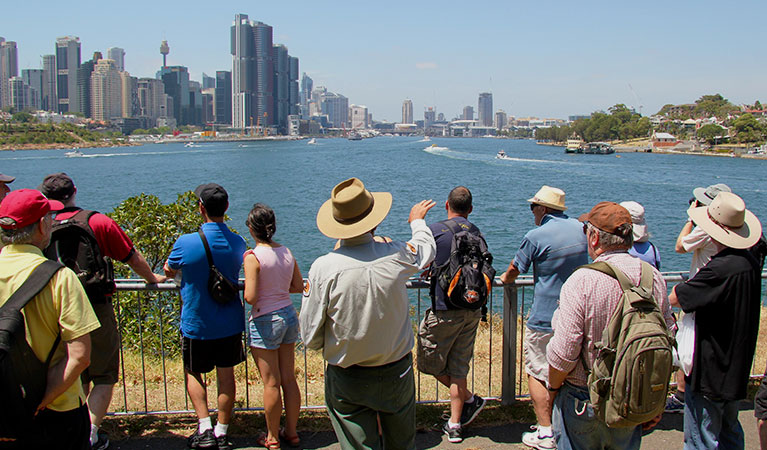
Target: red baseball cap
25 207
609 217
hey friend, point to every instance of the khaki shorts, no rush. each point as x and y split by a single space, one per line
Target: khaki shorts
536 364
446 342
105 348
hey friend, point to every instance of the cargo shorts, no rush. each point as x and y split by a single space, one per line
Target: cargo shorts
446 342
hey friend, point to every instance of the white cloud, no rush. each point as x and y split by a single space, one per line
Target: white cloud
426 65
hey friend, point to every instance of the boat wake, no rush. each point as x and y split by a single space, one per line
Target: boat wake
466 156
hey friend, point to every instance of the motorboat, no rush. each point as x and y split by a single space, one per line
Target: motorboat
312 141
435 147
74 154
191 145
502 155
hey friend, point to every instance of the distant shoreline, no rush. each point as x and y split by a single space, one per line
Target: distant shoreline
62 146
643 146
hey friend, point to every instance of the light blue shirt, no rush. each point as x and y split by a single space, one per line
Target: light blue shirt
554 249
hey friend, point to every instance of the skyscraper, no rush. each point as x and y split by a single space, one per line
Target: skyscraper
252 73
336 107
9 68
293 96
501 120
18 94
49 100
84 73
468 113
208 82
67 63
117 55
151 99
176 82
129 95
407 111
485 109
281 86
106 90
223 101
33 78
429 116
359 116
307 84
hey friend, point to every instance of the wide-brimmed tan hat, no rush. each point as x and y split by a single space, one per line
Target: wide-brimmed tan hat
637 218
728 221
551 197
352 210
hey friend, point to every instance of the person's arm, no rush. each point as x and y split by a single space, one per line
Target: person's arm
511 274
313 312
297 282
67 371
672 298
138 263
169 273
252 270
556 378
686 229
422 244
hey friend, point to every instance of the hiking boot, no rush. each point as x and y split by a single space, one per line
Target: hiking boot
453 434
223 442
471 410
102 443
531 439
673 405
202 440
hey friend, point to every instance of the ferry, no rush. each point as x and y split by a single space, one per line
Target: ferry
598 148
355 137
573 144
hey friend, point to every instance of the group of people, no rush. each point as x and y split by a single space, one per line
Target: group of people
355 310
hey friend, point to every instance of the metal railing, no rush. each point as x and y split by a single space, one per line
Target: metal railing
153 370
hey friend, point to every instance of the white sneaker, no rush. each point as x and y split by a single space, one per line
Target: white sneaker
531 439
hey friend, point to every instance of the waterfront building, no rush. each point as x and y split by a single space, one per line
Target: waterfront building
307 84
176 84
485 109
407 111
151 99
195 103
117 55
468 113
336 107
208 105
129 95
67 63
359 116
208 82
18 94
49 101
252 73
501 120
223 100
9 68
33 78
294 100
84 74
281 86
106 91
429 117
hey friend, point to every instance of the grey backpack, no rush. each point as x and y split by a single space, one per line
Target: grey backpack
629 381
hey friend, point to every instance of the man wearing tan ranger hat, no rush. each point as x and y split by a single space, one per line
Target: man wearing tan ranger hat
356 310
554 249
725 296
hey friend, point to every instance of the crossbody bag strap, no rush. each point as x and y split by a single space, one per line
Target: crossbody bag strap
207 249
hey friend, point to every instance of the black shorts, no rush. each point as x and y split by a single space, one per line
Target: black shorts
203 355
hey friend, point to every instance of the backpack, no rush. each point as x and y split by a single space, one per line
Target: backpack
23 377
74 245
467 276
629 381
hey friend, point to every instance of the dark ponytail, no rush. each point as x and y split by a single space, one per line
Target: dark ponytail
261 222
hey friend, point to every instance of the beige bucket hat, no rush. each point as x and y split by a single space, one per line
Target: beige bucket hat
637 217
728 221
352 210
551 197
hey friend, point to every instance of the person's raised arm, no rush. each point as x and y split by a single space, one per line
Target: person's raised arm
686 229
68 369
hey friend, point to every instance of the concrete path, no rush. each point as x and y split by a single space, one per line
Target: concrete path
666 436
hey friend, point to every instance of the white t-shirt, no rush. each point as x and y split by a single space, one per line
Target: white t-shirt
702 246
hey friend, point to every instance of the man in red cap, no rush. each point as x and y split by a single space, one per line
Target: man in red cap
586 303
61 308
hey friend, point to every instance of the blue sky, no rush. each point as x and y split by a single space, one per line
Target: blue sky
547 58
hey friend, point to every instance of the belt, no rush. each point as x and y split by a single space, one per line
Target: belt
383 366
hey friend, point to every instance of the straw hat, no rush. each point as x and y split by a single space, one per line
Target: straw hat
550 197
352 210
637 218
728 221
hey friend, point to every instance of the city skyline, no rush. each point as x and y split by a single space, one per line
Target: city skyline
565 59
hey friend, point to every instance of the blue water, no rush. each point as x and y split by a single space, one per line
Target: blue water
295 179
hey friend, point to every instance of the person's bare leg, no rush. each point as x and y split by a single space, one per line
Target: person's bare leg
197 394
267 362
542 401
99 398
761 427
226 393
458 395
445 380
290 392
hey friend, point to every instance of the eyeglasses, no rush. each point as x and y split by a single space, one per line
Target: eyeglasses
533 206
586 228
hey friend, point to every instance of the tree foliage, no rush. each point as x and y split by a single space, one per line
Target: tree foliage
711 133
620 123
748 129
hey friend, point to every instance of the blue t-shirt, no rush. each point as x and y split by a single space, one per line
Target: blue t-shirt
201 316
444 239
555 249
647 252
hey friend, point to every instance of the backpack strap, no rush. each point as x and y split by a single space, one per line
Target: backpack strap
644 289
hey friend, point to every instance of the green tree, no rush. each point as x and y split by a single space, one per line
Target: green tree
22 117
710 133
748 129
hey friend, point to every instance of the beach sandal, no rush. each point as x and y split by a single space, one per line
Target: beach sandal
262 441
293 441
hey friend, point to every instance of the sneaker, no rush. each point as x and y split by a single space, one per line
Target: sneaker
673 405
102 443
471 410
453 434
223 442
202 440
531 439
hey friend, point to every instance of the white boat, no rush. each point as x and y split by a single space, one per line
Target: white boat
425 139
502 155
435 147
312 141
73 154
191 145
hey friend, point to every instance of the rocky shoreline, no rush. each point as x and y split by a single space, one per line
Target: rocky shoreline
61 146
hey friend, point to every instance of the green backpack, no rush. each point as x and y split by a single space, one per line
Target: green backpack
629 381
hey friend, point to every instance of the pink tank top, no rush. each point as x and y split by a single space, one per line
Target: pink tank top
274 279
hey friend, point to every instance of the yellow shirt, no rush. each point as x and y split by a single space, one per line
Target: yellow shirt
61 307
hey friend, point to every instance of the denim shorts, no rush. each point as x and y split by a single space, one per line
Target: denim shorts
274 329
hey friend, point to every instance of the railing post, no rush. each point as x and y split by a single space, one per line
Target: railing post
509 350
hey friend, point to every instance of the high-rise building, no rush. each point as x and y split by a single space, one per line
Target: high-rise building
106 90
84 73
117 55
176 82
336 107
223 101
33 78
208 82
18 94
195 103
281 93
307 84
485 109
67 63
9 68
129 95
294 100
252 73
429 116
151 99
468 113
359 116
315 105
501 119
209 105
407 111
49 100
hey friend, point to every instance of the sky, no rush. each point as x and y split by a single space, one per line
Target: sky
549 59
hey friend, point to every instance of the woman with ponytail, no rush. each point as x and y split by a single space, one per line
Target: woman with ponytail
271 275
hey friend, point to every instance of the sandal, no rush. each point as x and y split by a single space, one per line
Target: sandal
262 441
293 441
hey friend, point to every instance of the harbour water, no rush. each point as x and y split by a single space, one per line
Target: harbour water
295 179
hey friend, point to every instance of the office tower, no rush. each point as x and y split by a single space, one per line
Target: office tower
176 82
33 78
209 105
195 103
264 74
223 99
164 50
151 98
294 99
49 100
307 84
18 94
441 117
485 109
208 82
336 107
281 86
501 120
315 105
84 73
252 73
117 55
468 113
106 90
67 63
407 111
129 95
429 116
359 116
9 68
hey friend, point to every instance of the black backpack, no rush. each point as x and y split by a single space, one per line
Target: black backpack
23 377
467 276
74 245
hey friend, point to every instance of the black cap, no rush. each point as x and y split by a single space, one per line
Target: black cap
214 198
57 186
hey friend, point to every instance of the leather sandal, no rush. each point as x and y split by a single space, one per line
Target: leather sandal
262 441
293 441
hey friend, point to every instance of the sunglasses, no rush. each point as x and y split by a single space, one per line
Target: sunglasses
533 206
586 228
